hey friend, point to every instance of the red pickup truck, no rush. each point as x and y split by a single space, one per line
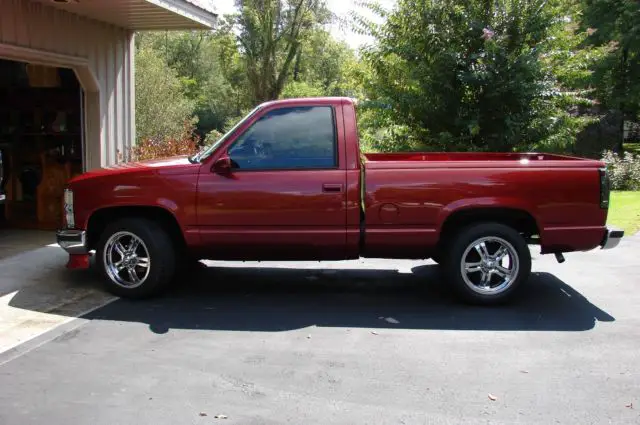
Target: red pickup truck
289 182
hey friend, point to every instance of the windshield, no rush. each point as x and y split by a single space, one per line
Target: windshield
208 150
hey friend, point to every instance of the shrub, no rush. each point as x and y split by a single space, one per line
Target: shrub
212 137
624 171
296 89
186 143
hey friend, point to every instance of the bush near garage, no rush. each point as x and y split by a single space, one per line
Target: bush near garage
186 143
624 170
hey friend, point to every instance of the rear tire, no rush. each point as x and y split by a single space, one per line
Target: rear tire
487 263
136 258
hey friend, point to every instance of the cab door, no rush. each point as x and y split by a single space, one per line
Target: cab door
284 196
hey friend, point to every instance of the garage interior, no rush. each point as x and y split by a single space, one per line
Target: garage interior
41 142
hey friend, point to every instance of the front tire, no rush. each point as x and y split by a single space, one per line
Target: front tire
136 258
488 263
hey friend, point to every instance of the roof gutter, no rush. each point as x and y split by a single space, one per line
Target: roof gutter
208 18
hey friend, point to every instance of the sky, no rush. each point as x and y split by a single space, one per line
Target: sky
340 7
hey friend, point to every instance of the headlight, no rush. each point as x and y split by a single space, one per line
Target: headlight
68 209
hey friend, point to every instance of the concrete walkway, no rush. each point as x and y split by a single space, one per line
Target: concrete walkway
17 241
37 293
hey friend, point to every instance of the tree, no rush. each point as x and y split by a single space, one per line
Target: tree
296 89
321 60
271 33
323 66
162 107
465 74
199 60
615 26
567 124
182 51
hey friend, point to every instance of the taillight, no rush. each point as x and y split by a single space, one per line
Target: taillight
604 188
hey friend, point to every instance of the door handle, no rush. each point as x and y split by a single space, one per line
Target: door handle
331 187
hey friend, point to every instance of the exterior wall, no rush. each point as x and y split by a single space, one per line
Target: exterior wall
102 56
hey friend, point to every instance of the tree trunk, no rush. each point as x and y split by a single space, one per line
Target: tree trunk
296 67
625 85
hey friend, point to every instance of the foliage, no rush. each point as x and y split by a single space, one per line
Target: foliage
468 75
214 68
485 75
634 148
615 26
232 121
296 89
202 62
161 103
624 171
184 143
324 63
182 52
471 77
573 107
212 137
270 34
379 132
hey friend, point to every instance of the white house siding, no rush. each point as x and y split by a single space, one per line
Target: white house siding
102 56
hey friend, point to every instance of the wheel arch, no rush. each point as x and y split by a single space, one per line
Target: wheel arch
516 217
99 219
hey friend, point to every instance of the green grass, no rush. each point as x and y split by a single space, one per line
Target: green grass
624 211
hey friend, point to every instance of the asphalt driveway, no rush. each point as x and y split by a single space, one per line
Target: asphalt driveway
375 342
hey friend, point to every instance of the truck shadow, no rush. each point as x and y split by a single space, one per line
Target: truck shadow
279 299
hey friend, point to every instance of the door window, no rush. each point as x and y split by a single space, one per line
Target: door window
288 138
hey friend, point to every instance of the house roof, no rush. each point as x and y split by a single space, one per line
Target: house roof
141 15
206 5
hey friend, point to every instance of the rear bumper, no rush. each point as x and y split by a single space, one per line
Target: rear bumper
612 238
73 241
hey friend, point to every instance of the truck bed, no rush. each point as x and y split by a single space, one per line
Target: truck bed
474 160
409 196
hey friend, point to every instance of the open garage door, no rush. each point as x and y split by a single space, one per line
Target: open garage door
41 142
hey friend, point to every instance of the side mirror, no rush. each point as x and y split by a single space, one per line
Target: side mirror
222 166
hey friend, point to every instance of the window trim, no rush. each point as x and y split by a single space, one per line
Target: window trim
336 150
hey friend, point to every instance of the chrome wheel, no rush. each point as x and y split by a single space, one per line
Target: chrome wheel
126 260
489 265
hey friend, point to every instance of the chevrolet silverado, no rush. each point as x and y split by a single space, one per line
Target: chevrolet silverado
289 182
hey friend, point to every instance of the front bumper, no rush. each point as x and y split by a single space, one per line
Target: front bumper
612 238
73 241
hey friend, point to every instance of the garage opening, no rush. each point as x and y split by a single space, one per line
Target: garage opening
41 134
